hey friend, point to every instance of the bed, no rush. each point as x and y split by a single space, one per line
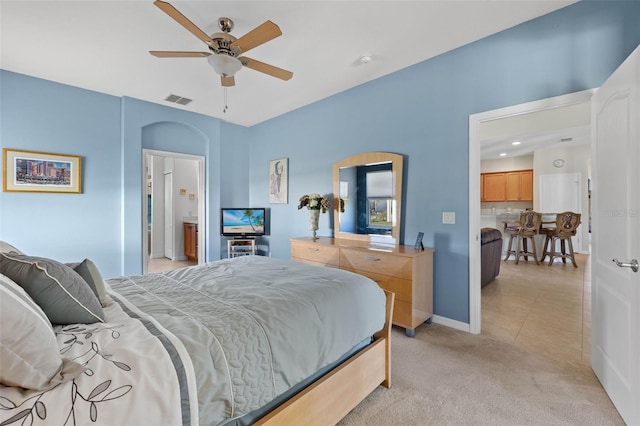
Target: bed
249 340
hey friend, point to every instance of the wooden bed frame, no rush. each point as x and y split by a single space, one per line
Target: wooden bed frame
327 400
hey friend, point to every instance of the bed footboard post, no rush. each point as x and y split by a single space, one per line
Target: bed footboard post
386 334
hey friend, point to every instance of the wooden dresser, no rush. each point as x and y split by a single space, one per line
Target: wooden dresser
401 269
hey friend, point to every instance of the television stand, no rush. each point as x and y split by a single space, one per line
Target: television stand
241 247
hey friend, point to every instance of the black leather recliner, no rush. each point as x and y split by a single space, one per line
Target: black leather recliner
490 254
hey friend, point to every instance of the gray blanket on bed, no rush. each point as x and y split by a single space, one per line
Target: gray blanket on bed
256 326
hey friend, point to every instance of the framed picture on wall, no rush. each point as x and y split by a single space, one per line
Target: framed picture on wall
278 181
32 171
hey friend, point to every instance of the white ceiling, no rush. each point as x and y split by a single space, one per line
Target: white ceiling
566 126
103 46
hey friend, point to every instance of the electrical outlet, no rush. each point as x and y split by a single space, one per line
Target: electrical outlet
449 218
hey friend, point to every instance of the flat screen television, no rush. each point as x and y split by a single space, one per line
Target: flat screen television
248 222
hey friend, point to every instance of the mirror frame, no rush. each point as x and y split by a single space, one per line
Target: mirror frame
364 159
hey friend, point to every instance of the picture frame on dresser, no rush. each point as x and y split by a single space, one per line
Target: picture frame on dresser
34 171
418 245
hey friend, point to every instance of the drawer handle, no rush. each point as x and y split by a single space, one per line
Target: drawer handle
313 249
372 259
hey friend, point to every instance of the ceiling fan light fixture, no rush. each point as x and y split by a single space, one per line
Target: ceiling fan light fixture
224 65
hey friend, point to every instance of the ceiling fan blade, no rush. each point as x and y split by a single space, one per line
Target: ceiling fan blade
178 54
266 68
182 20
257 36
227 81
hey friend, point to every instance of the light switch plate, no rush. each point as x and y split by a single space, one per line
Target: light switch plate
449 218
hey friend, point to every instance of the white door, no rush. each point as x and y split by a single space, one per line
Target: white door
168 216
561 193
615 291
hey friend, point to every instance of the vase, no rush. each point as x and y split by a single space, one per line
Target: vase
314 215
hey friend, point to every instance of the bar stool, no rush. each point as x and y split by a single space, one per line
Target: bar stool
526 228
547 228
511 229
566 226
529 227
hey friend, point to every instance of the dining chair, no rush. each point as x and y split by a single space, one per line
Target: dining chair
566 227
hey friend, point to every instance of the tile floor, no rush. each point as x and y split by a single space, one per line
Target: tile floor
162 264
544 308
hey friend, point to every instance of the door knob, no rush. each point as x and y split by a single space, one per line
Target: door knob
633 264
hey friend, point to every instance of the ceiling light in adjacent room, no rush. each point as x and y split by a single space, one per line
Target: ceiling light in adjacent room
365 59
516 143
503 154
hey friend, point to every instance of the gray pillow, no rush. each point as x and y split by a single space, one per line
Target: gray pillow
7 248
28 346
61 293
90 273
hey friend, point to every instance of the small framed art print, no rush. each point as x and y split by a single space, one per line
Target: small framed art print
278 181
32 171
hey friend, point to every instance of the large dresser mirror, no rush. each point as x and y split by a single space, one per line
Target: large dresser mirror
367 191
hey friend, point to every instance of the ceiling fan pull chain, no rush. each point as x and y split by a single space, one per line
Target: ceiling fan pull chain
224 111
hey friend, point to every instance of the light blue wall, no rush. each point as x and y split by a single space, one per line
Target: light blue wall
104 223
153 126
40 116
421 112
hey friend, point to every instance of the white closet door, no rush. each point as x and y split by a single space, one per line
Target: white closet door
168 216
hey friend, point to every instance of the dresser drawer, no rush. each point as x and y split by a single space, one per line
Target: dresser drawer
315 254
376 262
402 288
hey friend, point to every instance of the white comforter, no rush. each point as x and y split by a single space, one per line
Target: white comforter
204 344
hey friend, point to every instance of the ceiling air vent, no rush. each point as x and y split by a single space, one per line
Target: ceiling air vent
566 139
178 99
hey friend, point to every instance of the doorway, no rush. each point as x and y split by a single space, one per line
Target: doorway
173 194
475 121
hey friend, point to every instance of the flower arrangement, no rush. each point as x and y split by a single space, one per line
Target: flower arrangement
314 202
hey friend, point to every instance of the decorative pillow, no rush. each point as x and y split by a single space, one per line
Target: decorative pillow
61 293
7 248
90 273
28 348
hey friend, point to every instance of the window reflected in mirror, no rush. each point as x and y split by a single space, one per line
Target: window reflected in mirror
379 193
380 213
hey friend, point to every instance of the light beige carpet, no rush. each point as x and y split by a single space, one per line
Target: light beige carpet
444 376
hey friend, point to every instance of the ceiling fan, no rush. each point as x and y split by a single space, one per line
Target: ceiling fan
225 49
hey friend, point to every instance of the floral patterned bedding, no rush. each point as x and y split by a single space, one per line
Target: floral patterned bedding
203 345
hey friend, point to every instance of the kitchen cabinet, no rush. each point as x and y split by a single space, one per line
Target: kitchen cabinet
519 185
507 186
493 187
191 241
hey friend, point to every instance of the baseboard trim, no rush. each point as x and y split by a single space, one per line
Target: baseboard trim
458 325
